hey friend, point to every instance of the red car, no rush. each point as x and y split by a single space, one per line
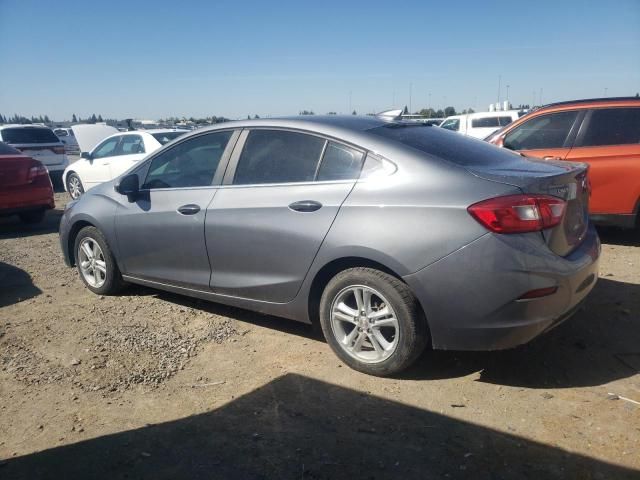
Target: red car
25 187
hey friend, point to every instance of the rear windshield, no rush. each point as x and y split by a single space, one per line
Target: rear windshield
166 137
452 147
7 150
17 135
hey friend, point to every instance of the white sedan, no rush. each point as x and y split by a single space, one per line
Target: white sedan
112 157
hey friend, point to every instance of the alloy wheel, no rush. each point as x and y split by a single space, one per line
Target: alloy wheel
364 324
92 263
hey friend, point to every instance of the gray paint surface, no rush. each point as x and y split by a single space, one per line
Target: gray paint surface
246 248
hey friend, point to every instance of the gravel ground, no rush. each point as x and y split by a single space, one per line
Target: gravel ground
154 385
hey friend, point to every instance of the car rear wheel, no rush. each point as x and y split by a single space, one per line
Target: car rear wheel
74 185
372 321
35 216
95 262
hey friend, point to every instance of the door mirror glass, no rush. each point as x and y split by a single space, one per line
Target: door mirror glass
128 185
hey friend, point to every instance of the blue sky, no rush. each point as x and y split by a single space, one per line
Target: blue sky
233 58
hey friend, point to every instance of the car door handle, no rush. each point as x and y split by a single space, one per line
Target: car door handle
189 209
305 206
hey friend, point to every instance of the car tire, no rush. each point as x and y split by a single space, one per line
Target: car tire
382 337
74 186
34 216
95 262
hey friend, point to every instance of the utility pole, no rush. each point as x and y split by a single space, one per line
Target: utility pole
508 94
410 92
350 103
605 91
499 85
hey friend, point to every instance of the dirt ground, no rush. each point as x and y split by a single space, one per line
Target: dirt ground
153 385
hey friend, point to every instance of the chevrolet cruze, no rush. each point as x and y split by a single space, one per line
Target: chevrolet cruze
393 236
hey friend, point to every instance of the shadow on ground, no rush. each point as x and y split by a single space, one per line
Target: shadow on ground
15 285
620 236
12 227
300 428
599 344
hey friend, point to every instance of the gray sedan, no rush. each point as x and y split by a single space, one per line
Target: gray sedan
393 236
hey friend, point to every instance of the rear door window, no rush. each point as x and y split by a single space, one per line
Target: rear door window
490 122
543 132
612 126
28 135
277 156
130 145
339 162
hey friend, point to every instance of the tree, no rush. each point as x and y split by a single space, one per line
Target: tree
405 111
74 119
354 113
255 117
46 119
449 111
427 112
637 95
100 118
93 119
331 113
307 112
439 114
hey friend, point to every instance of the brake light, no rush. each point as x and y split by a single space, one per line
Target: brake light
519 213
36 171
58 150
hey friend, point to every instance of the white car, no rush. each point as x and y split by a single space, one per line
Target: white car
67 137
480 124
111 157
39 142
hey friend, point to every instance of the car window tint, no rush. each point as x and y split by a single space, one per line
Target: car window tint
130 145
340 163
166 137
613 126
545 131
274 156
26 135
192 163
453 124
490 122
106 148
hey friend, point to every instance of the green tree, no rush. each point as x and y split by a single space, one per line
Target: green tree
256 117
307 112
74 119
354 113
331 113
449 111
100 118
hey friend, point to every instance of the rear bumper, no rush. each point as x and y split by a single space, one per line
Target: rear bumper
470 297
23 200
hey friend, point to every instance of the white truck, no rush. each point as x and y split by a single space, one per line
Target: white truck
480 124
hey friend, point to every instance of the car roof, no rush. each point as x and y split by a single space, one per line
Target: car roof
332 125
592 102
20 125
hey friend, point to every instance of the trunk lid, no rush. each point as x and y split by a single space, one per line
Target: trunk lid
566 180
88 136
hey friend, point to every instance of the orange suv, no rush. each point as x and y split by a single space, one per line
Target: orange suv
604 133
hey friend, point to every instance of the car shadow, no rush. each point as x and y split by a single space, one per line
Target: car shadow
298 427
12 227
620 236
15 285
599 344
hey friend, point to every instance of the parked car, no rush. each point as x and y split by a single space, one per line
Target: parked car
604 133
38 142
392 235
25 186
67 137
479 124
113 156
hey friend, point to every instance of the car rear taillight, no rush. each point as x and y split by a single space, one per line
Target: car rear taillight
36 171
58 150
519 213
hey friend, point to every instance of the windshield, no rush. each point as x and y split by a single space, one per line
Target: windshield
166 137
19 136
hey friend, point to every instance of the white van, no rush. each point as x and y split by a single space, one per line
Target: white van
480 124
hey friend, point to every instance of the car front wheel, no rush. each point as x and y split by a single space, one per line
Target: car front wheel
372 321
74 185
95 262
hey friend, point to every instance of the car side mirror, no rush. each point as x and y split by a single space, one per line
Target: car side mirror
86 155
128 185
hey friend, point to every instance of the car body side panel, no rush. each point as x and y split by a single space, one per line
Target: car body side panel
615 177
260 248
